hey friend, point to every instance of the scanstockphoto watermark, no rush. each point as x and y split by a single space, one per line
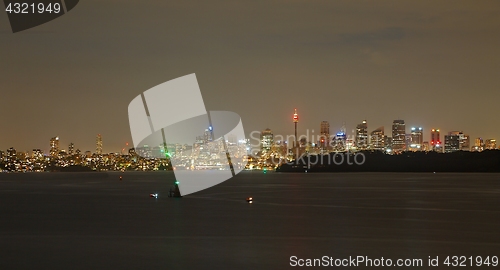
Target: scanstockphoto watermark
338 159
309 138
355 261
307 149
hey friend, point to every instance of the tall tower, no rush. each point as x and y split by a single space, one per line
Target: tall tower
266 140
295 121
362 135
417 139
71 149
417 136
211 129
325 134
54 146
377 139
451 143
398 135
98 144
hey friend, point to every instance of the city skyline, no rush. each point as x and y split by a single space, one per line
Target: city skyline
334 61
424 137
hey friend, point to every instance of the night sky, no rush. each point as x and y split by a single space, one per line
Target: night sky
433 64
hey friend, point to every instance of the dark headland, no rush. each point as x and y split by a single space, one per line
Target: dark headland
376 161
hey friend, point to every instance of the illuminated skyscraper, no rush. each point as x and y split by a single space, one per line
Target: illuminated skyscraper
339 143
54 147
266 140
465 146
377 139
478 145
211 130
436 140
362 135
11 153
417 139
37 154
206 136
398 135
426 146
324 140
451 143
388 144
407 141
464 140
11 159
417 135
98 144
71 149
491 144
479 142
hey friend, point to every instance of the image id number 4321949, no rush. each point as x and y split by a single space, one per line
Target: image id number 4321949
471 261
32 8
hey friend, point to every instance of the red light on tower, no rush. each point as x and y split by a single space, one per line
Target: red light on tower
295 117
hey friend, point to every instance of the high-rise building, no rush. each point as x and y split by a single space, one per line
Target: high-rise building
211 133
479 142
407 141
54 146
451 143
398 135
436 144
416 139
206 136
37 154
377 139
491 144
464 140
98 144
11 153
339 142
11 158
266 140
426 146
478 145
417 135
71 149
388 144
324 140
362 135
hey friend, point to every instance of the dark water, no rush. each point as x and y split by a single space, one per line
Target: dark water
89 221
